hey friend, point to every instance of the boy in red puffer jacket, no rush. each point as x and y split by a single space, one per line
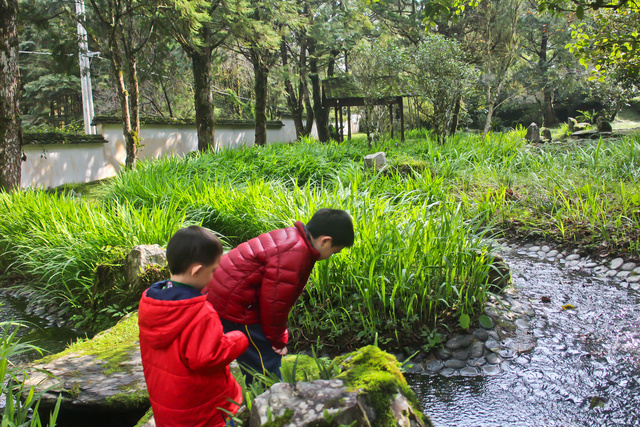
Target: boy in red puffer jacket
185 354
258 282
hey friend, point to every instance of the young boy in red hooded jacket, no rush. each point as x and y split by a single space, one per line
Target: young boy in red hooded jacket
185 354
258 282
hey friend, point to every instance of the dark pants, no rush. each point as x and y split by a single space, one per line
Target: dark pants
260 356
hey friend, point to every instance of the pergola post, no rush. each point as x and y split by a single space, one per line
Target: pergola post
349 123
391 118
341 126
401 107
335 113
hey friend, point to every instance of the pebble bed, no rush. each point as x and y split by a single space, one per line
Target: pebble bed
510 337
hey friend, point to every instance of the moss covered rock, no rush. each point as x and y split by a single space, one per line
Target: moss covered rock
100 375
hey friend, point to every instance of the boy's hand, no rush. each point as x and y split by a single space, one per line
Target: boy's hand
281 351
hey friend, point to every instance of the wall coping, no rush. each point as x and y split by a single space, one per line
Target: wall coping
59 138
189 121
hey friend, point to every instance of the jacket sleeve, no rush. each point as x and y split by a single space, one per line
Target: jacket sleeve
206 347
280 289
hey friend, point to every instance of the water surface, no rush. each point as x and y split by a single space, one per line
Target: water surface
584 370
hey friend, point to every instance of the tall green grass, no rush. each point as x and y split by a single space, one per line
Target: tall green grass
419 222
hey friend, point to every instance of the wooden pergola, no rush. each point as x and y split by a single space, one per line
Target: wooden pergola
339 92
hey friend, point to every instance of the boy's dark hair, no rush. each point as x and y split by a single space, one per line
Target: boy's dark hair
192 245
334 223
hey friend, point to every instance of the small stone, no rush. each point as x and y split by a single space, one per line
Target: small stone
633 279
480 361
492 345
552 254
611 273
636 270
628 266
534 248
616 263
460 341
491 369
521 360
443 354
505 365
506 354
482 335
573 263
413 368
493 359
491 312
455 363
623 274
477 349
461 354
494 335
541 254
590 265
434 366
521 324
600 269
573 257
545 248
469 372
447 372
635 286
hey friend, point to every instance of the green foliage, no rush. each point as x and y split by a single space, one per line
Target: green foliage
21 405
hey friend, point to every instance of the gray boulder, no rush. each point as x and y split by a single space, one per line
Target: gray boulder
140 260
546 135
533 133
98 376
376 160
369 390
603 125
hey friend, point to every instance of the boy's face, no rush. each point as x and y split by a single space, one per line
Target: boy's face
324 246
202 274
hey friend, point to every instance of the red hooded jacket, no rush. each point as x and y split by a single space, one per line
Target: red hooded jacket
186 357
261 279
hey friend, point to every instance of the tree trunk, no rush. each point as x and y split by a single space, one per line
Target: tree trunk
294 103
10 124
320 113
130 137
548 114
455 118
261 76
203 97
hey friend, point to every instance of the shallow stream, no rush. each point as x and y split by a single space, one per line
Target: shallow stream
584 370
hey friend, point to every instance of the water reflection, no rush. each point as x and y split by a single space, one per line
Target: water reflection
584 369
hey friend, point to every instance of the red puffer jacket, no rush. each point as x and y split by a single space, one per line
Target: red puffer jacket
261 279
185 357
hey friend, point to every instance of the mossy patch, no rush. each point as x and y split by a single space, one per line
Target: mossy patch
280 421
306 368
113 345
377 374
125 400
145 418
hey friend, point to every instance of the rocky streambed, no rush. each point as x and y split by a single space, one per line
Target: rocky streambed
581 317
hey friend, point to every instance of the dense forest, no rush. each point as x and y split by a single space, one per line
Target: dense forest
488 65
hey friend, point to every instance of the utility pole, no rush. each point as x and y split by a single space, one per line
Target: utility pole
85 73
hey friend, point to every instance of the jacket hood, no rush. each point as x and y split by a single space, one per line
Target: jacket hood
161 321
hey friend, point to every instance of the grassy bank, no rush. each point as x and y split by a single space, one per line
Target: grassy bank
420 222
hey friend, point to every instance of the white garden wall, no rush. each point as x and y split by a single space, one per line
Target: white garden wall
51 165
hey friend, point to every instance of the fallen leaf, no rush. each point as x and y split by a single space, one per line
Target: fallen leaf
545 300
568 307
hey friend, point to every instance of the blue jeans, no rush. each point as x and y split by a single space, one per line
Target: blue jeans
260 356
